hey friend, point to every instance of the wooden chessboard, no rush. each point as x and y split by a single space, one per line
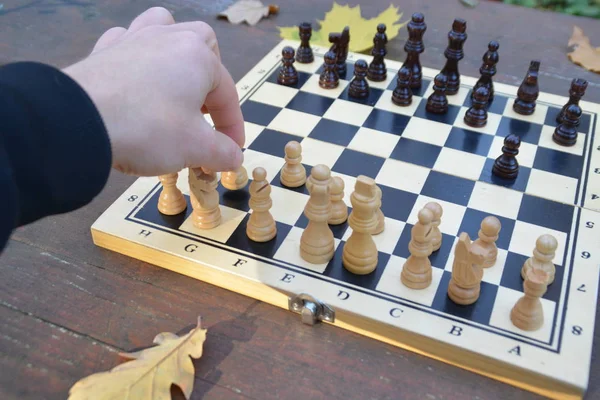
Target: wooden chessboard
415 157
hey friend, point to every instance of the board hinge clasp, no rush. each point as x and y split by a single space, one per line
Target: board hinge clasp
310 309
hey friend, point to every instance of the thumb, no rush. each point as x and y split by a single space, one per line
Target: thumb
211 149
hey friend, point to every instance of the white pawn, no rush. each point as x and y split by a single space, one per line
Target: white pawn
293 173
339 209
261 226
416 271
543 254
171 200
235 180
436 234
488 234
528 313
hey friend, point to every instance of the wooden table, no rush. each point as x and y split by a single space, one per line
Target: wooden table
67 307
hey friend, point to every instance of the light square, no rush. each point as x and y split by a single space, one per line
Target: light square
538 116
385 103
271 164
310 68
547 142
289 251
402 175
390 282
374 142
275 95
459 163
252 131
526 154
505 301
294 122
318 152
457 99
493 274
496 199
525 235
348 112
230 220
288 205
451 218
385 241
427 131
490 128
312 86
391 76
552 186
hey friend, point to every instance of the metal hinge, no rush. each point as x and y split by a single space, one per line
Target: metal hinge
311 309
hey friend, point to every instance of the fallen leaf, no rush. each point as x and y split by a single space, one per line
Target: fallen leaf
362 30
151 373
250 11
583 54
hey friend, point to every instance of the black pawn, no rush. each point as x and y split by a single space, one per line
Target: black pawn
287 73
476 115
488 69
506 166
329 78
576 92
377 70
437 102
359 87
402 95
565 134
304 55
528 90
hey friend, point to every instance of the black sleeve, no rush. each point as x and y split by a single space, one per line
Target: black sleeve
55 153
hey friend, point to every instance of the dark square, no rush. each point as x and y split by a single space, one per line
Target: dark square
395 203
238 199
584 121
438 258
496 106
310 103
259 113
447 118
302 78
370 100
334 132
276 181
511 276
355 163
149 212
272 142
529 132
338 230
336 270
471 223
416 92
416 152
448 188
558 162
239 240
546 213
519 183
386 121
469 141
480 311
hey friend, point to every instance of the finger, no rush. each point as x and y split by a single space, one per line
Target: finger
109 37
205 33
152 16
210 149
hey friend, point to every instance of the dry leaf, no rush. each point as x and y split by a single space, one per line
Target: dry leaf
584 54
151 373
250 11
361 30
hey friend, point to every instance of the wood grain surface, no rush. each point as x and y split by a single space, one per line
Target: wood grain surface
67 307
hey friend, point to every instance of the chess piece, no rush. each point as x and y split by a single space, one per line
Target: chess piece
379 214
235 180
377 71
576 92
339 209
359 254
565 133
402 95
359 87
317 241
261 225
437 102
293 173
488 70
171 200
204 198
467 273
528 91
527 313
320 175
339 48
436 234
287 73
454 53
543 254
488 234
414 47
329 78
304 54
416 271
476 116
506 165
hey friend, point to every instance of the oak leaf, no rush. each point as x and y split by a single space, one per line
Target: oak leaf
250 11
583 54
150 374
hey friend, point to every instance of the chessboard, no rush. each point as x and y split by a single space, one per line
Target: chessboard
400 161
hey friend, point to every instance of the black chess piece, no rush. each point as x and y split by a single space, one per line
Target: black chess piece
377 71
359 87
413 47
287 73
304 54
437 102
565 134
576 92
329 78
528 91
488 70
476 115
506 166
454 53
339 46
402 95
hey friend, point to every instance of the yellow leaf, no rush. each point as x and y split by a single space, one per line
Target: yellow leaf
362 30
250 11
151 373
584 54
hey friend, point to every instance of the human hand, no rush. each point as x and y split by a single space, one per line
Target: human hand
152 83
